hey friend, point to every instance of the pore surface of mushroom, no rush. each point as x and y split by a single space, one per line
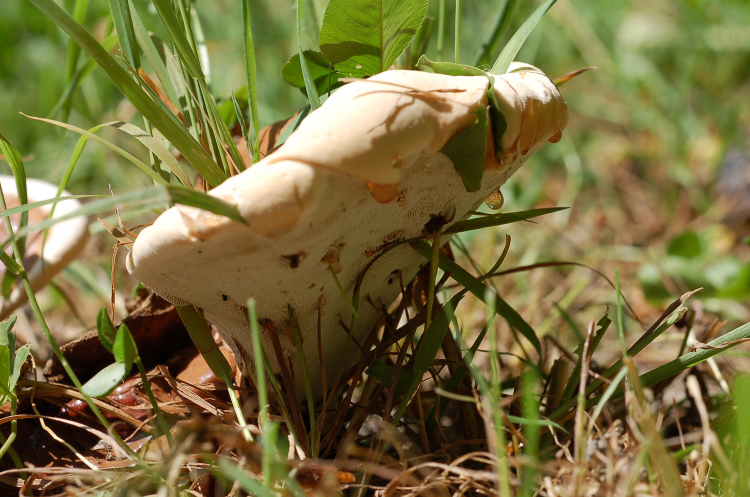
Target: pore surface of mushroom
43 258
361 172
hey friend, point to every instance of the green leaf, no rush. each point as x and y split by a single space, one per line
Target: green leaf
365 38
106 330
106 380
7 344
8 339
519 37
125 34
162 119
500 219
687 244
450 68
467 151
124 348
21 354
323 75
5 370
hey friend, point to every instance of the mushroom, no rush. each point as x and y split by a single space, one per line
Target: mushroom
362 171
43 259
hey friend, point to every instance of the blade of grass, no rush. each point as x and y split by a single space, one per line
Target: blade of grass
200 334
167 124
532 423
251 75
152 54
109 42
492 39
499 219
310 88
176 30
314 434
74 52
155 146
511 49
441 30
41 203
145 168
15 161
457 34
478 288
125 33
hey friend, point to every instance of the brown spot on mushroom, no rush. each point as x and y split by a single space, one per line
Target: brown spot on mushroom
401 199
436 222
382 193
224 297
294 260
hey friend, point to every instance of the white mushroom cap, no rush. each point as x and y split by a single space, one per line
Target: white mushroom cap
63 244
360 172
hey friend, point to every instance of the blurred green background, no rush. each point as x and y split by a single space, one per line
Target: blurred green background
655 163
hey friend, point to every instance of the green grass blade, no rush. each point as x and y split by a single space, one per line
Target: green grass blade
80 74
457 34
672 368
251 73
499 219
204 201
312 91
125 33
157 147
519 37
176 32
74 52
490 42
429 346
478 288
176 134
197 327
306 380
153 55
145 168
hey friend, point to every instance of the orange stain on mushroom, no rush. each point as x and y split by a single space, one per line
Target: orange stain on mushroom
382 194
